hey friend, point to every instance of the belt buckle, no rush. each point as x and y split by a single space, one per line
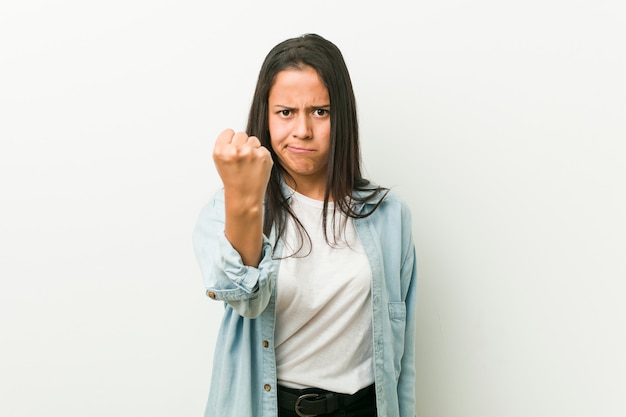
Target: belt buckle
297 406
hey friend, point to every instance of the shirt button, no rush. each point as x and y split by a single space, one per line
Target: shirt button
266 343
267 387
211 295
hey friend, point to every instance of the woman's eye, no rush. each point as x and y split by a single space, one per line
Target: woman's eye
285 112
321 112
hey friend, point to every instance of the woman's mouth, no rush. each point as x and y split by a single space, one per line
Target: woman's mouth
296 149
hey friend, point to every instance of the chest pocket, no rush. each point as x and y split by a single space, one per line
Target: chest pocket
397 316
397 311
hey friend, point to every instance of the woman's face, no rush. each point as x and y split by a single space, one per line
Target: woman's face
299 124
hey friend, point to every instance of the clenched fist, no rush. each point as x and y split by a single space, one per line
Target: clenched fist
244 166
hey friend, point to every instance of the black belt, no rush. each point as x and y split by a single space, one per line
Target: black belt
310 402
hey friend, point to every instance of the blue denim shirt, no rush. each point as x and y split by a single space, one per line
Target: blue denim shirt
243 382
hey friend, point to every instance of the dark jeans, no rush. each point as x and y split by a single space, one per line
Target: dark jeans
364 407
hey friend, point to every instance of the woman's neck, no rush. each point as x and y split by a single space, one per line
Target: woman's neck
314 190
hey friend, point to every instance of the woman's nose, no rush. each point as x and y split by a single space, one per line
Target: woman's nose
302 127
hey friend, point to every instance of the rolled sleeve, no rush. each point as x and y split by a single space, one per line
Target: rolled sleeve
247 289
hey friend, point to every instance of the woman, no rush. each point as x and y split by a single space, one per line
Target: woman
315 264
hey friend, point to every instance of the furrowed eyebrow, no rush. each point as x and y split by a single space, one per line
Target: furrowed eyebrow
280 106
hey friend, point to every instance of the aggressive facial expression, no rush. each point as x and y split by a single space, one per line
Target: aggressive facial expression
299 124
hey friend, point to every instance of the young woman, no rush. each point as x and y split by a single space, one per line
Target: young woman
315 264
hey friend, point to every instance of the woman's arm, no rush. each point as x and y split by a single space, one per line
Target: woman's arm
244 166
234 256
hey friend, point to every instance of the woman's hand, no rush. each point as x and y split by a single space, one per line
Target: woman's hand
244 166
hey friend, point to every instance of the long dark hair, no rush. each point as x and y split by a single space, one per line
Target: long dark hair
343 174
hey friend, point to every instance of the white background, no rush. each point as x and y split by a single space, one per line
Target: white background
501 123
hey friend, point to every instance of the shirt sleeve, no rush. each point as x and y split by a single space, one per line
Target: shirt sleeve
246 289
408 272
406 380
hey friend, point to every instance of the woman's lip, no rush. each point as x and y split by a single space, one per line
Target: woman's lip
296 149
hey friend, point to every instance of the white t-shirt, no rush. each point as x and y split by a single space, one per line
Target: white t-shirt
323 307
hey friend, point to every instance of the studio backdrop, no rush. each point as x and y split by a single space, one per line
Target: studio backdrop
502 124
